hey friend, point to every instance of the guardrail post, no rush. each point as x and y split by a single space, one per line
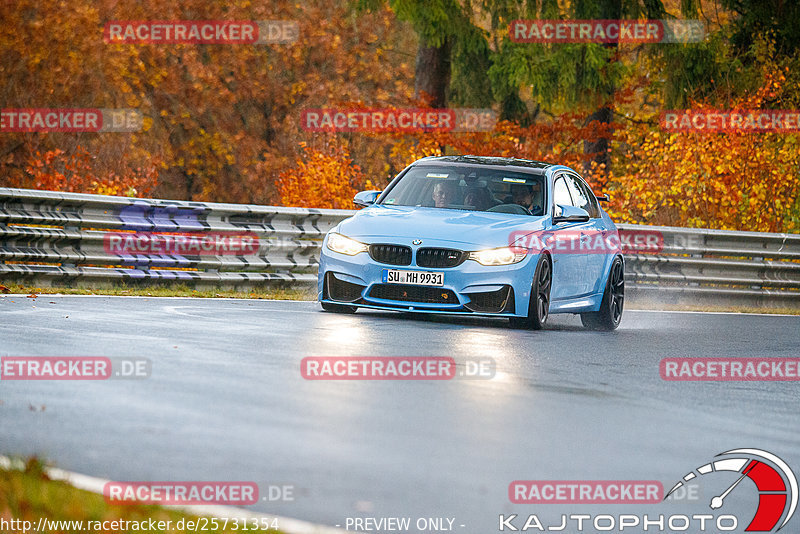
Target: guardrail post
761 285
69 228
701 254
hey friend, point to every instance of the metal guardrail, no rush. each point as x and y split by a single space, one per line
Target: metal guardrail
50 238
717 267
53 238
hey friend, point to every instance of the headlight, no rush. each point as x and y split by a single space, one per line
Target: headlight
345 245
497 256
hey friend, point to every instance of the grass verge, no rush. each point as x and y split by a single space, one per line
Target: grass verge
710 308
28 494
277 293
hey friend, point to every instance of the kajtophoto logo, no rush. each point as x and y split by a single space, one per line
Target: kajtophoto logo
775 499
775 482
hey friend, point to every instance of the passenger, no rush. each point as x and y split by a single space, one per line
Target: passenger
443 194
479 198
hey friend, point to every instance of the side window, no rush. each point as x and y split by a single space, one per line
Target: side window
582 197
595 211
561 194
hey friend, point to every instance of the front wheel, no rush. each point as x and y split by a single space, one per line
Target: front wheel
337 308
539 306
610 313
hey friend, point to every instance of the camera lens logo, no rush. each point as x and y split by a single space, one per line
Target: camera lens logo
774 480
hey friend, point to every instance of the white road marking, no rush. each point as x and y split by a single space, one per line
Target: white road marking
60 295
174 310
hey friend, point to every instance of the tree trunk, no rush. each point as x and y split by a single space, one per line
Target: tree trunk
606 9
598 146
432 74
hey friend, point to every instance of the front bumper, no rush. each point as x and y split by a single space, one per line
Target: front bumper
469 288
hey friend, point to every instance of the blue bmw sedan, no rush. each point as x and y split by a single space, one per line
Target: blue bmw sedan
475 235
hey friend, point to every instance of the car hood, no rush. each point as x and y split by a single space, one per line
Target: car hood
382 223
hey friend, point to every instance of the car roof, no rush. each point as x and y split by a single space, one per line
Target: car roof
538 166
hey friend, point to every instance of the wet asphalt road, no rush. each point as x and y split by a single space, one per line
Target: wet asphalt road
226 401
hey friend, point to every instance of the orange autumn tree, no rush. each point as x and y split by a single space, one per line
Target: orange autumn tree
735 181
223 120
726 180
321 178
56 170
52 58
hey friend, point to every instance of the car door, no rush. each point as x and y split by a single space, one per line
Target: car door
592 236
568 267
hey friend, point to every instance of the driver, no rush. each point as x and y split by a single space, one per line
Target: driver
443 194
528 196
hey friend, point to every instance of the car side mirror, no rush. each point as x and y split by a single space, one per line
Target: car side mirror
570 214
366 198
603 198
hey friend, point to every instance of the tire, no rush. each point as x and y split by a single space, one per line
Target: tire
610 313
539 304
337 308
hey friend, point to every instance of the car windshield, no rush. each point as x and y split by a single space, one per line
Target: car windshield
473 188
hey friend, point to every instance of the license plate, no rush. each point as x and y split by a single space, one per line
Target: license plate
416 278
